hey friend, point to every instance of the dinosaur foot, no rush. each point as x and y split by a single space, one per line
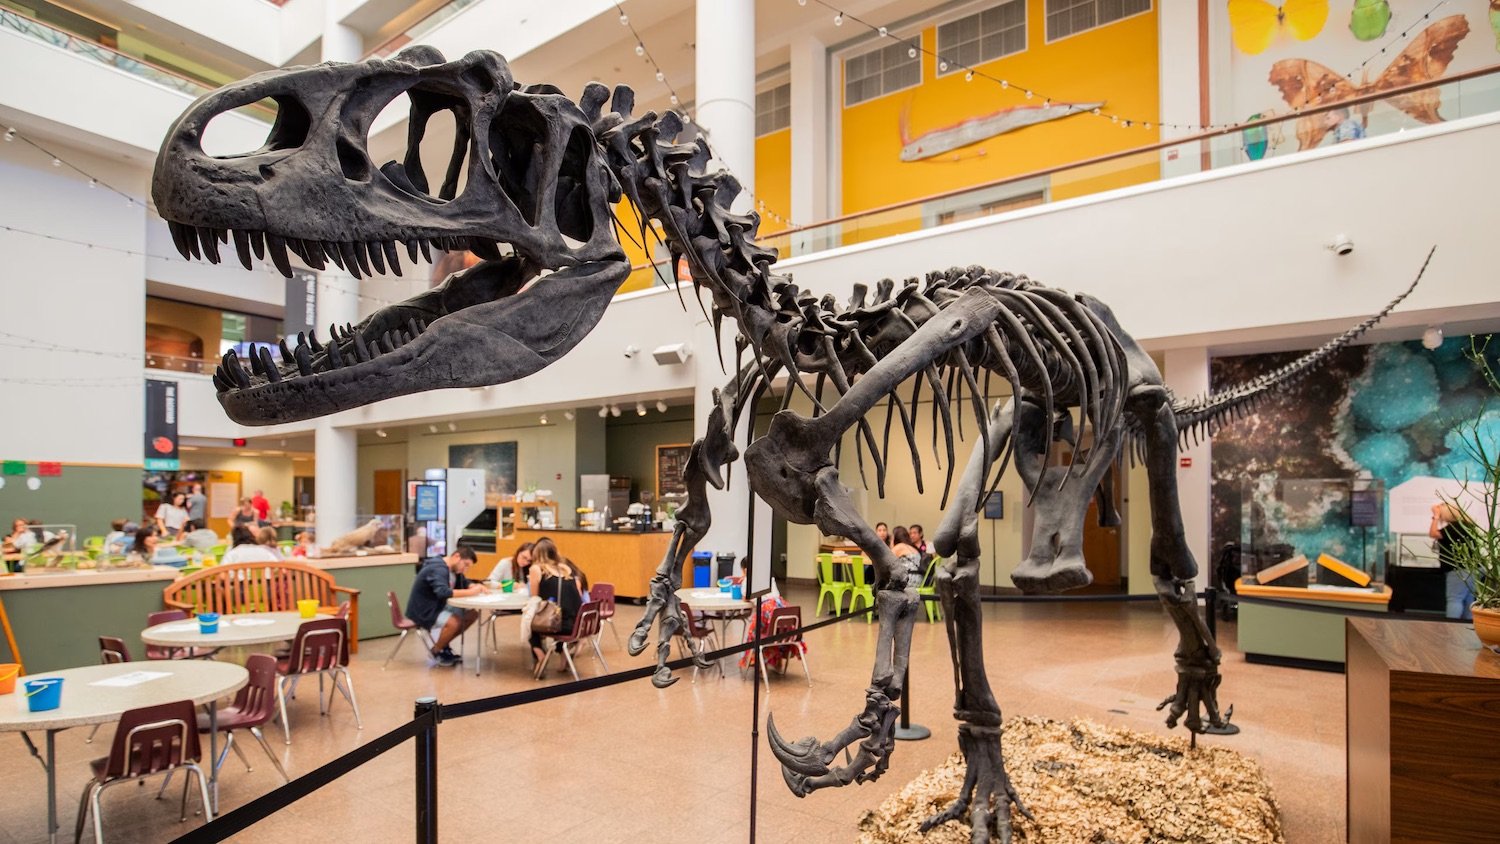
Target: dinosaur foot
987 794
805 763
1197 698
1050 576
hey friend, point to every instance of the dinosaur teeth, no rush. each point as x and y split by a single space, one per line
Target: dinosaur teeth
286 354
312 253
255 367
242 248
272 373
488 250
334 254
334 356
411 325
277 247
258 245
354 260
377 256
389 247
235 370
221 380
304 360
209 241
426 255
181 236
411 250
362 352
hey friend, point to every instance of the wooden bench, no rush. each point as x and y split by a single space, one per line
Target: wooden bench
261 587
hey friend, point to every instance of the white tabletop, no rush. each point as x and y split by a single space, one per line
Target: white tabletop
711 600
491 601
86 702
253 628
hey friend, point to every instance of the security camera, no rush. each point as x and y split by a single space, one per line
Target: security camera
631 351
1341 244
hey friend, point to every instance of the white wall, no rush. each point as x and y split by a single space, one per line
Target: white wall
272 474
90 407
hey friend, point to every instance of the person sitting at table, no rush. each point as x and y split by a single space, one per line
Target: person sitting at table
116 541
146 542
918 538
304 546
266 537
439 579
553 578
905 551
883 532
247 550
198 537
515 567
22 538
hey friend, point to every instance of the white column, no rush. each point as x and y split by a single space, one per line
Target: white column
1187 374
726 111
1177 30
340 43
336 455
725 77
809 130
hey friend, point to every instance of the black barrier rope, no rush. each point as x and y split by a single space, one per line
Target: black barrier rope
268 804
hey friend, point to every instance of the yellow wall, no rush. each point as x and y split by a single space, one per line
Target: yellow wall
1116 63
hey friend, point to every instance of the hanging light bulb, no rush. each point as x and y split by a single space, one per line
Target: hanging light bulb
883 32
544 419
624 19
661 406
969 77
801 2
569 415
640 409
10 135
1096 111
942 66
56 162
614 410
93 183
603 411
911 52
1004 84
838 19
661 77
1028 95
673 98
640 49
380 432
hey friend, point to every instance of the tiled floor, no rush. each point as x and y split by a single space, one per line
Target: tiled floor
630 763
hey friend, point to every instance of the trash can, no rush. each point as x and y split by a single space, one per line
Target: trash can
725 565
703 562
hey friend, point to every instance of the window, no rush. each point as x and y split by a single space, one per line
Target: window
773 109
986 209
1070 17
880 72
986 36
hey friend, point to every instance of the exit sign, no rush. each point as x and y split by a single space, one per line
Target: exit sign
1185 462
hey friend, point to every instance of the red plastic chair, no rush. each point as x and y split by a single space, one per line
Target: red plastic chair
604 595
784 620
406 626
321 647
148 741
253 708
585 627
703 636
167 651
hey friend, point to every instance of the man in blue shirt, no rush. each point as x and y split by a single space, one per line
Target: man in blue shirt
439 579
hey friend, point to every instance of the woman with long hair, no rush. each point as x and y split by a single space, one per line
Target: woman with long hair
1451 528
553 578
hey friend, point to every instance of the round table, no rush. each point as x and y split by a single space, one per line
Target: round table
85 702
721 606
489 605
252 628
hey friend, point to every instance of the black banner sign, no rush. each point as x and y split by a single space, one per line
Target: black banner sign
161 425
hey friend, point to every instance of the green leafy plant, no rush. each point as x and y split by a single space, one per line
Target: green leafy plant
1478 553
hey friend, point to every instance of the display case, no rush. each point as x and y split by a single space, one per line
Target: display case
1287 518
371 533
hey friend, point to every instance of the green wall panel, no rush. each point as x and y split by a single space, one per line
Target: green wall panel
60 627
88 496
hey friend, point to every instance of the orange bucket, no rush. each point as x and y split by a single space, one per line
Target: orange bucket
8 672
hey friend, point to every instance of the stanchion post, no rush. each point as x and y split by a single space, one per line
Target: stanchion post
755 713
907 731
1211 611
426 771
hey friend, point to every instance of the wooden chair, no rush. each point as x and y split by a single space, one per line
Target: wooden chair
585 628
830 586
262 587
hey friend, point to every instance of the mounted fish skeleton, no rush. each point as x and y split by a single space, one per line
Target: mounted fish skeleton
975 129
542 174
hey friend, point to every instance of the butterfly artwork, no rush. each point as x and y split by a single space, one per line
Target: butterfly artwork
1254 25
1369 18
1305 83
1495 22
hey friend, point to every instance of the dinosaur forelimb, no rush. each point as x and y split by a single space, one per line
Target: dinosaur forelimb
1196 699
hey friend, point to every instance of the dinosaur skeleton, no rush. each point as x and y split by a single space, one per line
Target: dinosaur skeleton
540 174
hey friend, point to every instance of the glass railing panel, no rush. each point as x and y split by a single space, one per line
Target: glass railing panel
420 29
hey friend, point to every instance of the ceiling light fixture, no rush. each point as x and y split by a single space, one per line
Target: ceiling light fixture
380 432
453 426
603 411
569 415
614 410
661 406
1432 337
640 409
432 429
544 418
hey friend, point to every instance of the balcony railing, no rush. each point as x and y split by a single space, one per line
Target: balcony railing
432 21
94 51
157 360
1463 95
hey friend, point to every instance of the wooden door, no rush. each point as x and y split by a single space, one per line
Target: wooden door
223 490
390 492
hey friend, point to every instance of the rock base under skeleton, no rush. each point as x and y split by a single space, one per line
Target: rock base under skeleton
1092 784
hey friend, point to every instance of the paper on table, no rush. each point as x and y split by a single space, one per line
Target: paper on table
134 678
183 627
252 622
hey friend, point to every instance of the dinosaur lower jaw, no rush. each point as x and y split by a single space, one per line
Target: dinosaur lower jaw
473 331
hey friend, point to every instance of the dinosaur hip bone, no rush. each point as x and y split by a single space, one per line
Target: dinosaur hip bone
541 175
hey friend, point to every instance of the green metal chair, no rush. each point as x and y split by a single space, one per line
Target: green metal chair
928 588
94 543
218 551
285 546
861 589
830 586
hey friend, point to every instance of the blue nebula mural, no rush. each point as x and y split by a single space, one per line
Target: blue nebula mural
1395 411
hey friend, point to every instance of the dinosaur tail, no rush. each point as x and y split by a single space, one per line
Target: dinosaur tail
1203 416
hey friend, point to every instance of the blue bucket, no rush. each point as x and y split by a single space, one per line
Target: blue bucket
43 694
208 622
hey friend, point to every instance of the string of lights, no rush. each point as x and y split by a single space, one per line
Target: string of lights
945 64
645 52
11 135
1397 38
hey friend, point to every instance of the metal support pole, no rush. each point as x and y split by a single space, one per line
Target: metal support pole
426 772
907 731
755 714
1211 611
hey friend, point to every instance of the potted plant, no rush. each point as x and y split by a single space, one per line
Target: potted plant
1478 556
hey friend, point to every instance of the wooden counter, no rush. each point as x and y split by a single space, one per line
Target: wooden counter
1423 721
1293 637
627 559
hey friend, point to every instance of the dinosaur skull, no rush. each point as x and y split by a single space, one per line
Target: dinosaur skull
535 205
